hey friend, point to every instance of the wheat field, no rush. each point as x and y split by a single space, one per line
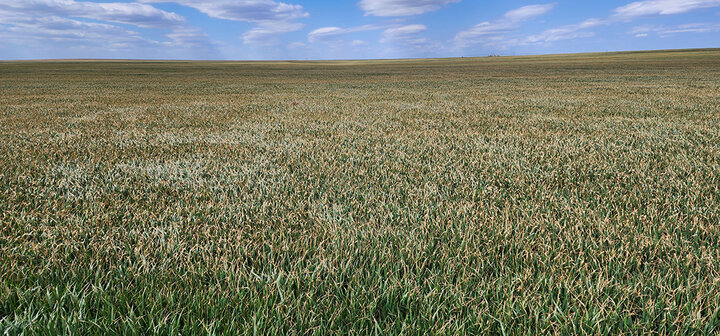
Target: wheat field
560 194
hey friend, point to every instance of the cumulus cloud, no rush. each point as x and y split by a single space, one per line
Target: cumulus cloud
244 10
404 34
397 37
499 32
140 15
69 31
60 28
332 34
408 40
664 31
263 33
529 12
628 12
58 37
401 7
483 33
567 32
662 7
271 17
324 33
192 39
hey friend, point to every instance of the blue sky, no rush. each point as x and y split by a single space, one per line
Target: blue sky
347 29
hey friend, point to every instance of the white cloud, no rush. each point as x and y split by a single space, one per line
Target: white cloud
404 31
69 31
528 12
483 33
662 7
626 13
324 33
57 37
404 34
271 17
402 7
263 33
191 38
398 38
408 41
332 34
140 15
499 32
567 32
664 31
58 28
244 10
555 34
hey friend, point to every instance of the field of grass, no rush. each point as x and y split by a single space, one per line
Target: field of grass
569 194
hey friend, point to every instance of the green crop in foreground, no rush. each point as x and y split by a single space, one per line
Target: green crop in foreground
533 195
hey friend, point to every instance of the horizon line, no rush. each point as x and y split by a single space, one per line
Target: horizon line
348 59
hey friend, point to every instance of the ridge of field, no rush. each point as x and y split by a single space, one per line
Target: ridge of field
559 194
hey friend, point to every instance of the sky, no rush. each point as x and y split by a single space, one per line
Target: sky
347 29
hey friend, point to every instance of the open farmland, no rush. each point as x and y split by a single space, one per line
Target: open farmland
571 194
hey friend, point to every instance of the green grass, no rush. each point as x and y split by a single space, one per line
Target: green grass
568 194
